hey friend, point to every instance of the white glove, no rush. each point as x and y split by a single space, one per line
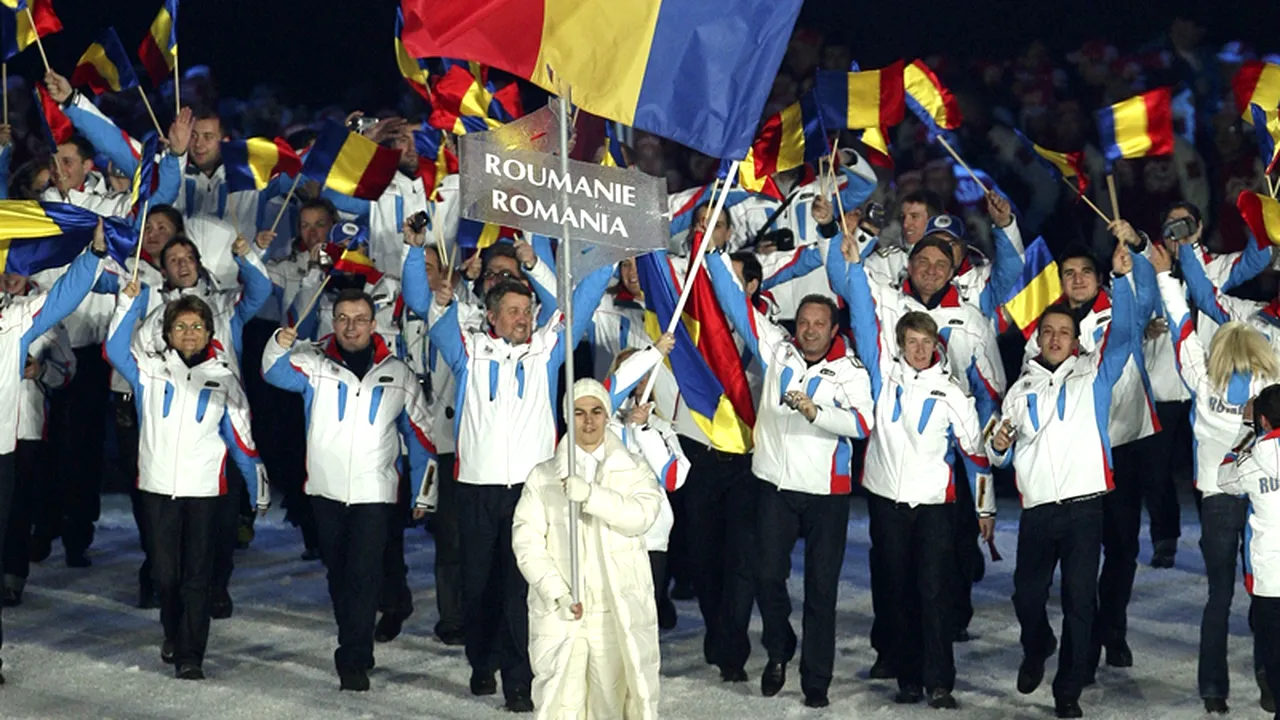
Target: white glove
564 608
264 490
577 489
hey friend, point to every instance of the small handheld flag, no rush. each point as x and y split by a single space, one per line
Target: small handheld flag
1064 164
859 100
1256 83
1261 214
414 70
787 140
1037 288
348 245
105 66
58 127
144 177
435 161
159 49
36 236
929 99
349 163
1141 126
464 100
17 29
1266 126
252 163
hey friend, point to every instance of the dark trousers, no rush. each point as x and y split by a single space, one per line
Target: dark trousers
1266 635
494 592
916 572
679 555
78 418
1165 451
126 417
396 599
658 568
227 527
1222 523
882 639
823 521
1070 535
8 471
352 539
721 505
182 567
968 561
443 525
1120 531
31 471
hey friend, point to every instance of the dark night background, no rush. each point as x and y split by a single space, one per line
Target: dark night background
321 52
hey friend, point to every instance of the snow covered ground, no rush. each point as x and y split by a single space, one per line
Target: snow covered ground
77 648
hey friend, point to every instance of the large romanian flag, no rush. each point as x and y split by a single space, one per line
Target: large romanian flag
1261 214
159 48
1257 83
859 100
349 163
105 67
17 33
250 164
705 360
1138 127
696 72
36 236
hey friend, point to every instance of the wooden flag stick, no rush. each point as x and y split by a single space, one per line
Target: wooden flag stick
4 80
177 85
1086 199
285 205
40 45
1271 187
315 299
137 252
147 103
1111 191
835 187
963 164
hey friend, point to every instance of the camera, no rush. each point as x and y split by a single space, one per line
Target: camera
360 124
1179 229
418 221
782 240
875 216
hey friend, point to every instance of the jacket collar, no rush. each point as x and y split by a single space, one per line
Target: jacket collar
616 456
948 297
380 350
838 349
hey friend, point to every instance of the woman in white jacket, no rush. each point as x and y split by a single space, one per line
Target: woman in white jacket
192 413
597 658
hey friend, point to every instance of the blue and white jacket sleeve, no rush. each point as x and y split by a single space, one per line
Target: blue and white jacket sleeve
413 422
1117 346
107 139
760 334
235 429
120 336
869 341
446 336
629 374
63 297
286 369
415 287
1006 268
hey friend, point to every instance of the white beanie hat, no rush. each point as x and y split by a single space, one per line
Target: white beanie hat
589 387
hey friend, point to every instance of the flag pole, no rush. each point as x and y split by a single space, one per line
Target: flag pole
4 80
34 31
1111 191
1271 188
285 205
695 264
147 103
142 231
835 186
566 302
177 83
314 299
963 164
1086 199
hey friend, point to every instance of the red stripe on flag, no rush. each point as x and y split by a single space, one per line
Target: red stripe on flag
287 160
1159 121
892 97
1245 82
378 174
87 74
59 126
153 60
468 29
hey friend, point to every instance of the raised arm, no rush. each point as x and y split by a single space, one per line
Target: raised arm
760 334
869 338
1188 351
1117 345
284 368
257 285
446 336
586 298
65 296
629 374
660 447
1205 296
118 347
1006 268
416 289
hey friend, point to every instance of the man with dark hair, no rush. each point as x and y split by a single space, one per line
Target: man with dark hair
803 459
1059 408
353 447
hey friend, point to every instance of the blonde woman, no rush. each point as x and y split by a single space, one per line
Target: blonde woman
1239 364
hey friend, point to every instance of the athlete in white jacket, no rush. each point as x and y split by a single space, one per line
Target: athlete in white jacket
1054 433
816 399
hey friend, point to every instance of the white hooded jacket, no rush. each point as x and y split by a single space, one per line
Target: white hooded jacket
1255 472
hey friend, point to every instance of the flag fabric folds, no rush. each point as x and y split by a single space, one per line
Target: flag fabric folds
1069 165
252 163
414 70
1266 126
435 161
349 163
17 33
144 177
697 73
348 246
1256 83
859 100
57 125
1141 126
105 67
1036 289
36 236
613 153
159 49
464 100
1261 214
788 139
476 235
876 141
928 99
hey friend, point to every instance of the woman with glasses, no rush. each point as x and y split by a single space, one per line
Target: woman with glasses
192 413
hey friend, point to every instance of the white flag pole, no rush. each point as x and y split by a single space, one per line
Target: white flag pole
566 304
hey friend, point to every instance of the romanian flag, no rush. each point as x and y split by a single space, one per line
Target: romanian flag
1266 125
414 70
1256 83
105 67
929 99
159 48
435 161
859 100
17 32
348 246
144 177
473 234
464 100
1037 288
56 123
876 141
250 164
1261 214
695 72
705 360
1068 165
614 155
1138 127
349 163
36 236
786 140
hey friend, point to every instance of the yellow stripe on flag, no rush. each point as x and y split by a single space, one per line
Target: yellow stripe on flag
1131 127
1270 218
263 156
96 55
1025 307
488 235
161 30
791 147
349 166
607 81
1266 94
23 219
864 99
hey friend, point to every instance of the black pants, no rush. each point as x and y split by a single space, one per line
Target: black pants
882 638
916 573
1222 523
31 471
78 430
679 555
352 539
126 418
1266 631
1069 535
968 556
494 592
448 562
182 567
8 471
1165 451
396 599
1120 531
658 568
227 527
783 517
721 505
